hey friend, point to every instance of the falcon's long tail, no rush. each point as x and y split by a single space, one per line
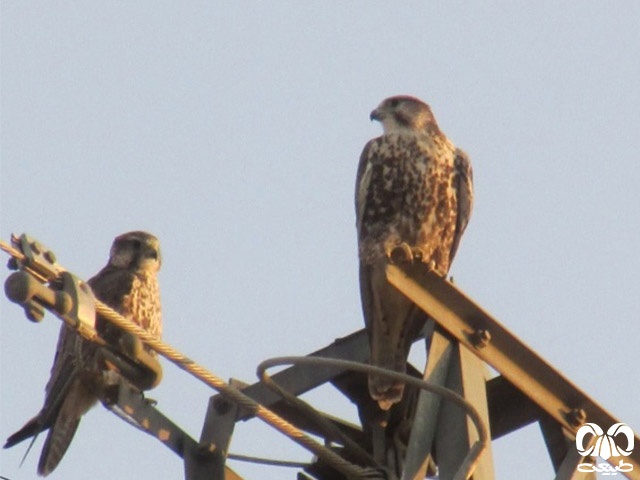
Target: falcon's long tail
392 322
77 402
56 445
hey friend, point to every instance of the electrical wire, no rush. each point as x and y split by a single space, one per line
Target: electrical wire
471 460
198 371
329 428
267 461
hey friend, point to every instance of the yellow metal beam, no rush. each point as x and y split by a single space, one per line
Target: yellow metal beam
497 346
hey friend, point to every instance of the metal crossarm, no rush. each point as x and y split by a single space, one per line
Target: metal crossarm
489 340
201 463
130 404
299 380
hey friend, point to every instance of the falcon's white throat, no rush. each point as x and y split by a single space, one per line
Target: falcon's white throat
390 125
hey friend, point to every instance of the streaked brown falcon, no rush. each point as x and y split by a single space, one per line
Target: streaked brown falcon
413 191
127 284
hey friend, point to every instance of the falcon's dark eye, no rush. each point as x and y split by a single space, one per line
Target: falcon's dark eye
152 254
394 103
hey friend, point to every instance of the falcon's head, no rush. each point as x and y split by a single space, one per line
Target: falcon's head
136 251
405 114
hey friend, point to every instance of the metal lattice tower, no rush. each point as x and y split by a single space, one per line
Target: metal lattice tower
427 432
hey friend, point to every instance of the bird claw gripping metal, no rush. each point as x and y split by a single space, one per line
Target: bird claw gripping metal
41 283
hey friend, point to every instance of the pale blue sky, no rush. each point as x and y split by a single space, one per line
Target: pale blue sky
232 131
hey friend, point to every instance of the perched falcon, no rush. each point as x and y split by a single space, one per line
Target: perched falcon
414 196
129 285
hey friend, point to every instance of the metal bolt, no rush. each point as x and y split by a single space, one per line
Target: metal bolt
481 338
49 256
222 406
576 417
35 247
206 450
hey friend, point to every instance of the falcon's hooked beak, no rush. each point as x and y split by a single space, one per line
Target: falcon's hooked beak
376 115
